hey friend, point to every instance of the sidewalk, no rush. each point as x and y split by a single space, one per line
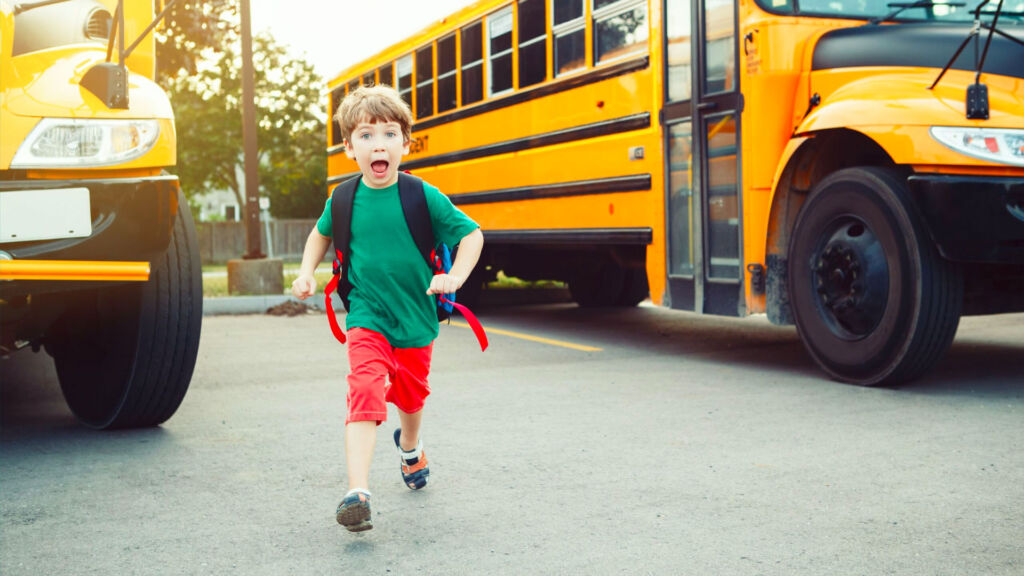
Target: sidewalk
490 298
258 304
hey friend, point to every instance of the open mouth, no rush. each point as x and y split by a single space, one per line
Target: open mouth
379 168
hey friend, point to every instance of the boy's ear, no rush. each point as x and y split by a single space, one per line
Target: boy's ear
348 149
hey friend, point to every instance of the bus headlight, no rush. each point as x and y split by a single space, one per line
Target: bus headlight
71 143
993 144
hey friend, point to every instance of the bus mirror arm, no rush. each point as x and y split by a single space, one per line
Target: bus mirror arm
109 81
976 104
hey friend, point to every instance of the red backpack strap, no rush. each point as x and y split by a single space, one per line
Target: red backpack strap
332 286
478 329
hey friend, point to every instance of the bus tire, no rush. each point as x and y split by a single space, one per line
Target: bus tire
597 287
873 301
634 288
124 355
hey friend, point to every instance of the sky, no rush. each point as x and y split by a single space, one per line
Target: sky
333 34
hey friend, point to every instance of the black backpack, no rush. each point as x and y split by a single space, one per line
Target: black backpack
417 218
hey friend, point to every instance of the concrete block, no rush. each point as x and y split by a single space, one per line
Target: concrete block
263 276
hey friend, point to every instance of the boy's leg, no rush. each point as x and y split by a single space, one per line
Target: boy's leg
410 429
371 363
360 439
408 391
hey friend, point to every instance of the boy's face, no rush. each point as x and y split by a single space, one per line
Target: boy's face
377 147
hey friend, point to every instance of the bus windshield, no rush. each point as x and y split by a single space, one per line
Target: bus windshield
939 12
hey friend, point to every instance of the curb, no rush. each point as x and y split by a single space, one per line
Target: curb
255 304
237 305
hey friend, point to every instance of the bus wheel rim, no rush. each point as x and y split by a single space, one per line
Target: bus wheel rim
851 279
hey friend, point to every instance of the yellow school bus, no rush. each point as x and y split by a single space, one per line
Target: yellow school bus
851 167
99 260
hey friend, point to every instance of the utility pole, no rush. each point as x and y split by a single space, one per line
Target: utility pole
251 149
253 273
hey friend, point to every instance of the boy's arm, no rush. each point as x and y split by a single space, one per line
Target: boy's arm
316 247
465 259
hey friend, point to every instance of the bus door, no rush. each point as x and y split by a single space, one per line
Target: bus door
701 120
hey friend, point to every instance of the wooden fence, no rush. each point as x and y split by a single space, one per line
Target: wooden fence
223 241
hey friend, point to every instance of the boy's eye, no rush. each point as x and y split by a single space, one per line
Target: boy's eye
364 136
391 134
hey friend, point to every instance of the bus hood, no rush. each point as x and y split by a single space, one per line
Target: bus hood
898 110
902 98
46 84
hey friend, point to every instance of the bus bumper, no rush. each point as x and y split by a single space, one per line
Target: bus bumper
131 221
973 218
74 270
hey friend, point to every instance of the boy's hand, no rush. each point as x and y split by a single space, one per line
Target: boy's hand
444 284
304 286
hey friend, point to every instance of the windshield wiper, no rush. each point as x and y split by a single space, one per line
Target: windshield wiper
901 6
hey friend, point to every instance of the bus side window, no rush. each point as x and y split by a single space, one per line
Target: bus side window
425 81
446 69
336 97
472 64
499 51
404 68
569 29
368 79
532 42
352 85
384 75
620 27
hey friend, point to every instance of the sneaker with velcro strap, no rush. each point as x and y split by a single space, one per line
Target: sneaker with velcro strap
354 511
414 463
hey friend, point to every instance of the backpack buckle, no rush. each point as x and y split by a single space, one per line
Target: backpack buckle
336 267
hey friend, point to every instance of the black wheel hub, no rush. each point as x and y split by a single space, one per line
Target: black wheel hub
851 278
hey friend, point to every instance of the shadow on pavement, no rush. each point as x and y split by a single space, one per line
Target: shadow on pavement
971 367
33 408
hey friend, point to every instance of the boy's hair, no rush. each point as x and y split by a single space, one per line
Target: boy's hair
373 104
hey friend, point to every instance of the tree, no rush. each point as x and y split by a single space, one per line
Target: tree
193 28
291 131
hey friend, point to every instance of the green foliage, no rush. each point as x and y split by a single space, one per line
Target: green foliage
291 133
192 28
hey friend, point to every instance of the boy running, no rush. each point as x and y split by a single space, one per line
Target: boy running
392 319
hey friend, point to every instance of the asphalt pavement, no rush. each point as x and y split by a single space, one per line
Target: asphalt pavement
640 441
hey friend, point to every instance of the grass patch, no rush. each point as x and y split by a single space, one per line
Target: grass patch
504 282
215 285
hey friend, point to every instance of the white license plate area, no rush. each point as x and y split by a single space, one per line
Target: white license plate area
27 215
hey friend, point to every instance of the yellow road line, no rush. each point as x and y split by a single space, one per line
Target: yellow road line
522 336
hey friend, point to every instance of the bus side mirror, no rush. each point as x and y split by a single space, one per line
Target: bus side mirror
109 83
977 102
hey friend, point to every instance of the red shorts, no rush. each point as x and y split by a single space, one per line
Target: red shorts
381 373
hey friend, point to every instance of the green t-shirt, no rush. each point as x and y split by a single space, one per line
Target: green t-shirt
388 274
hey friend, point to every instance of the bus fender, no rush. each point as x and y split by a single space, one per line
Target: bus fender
806 160
781 217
